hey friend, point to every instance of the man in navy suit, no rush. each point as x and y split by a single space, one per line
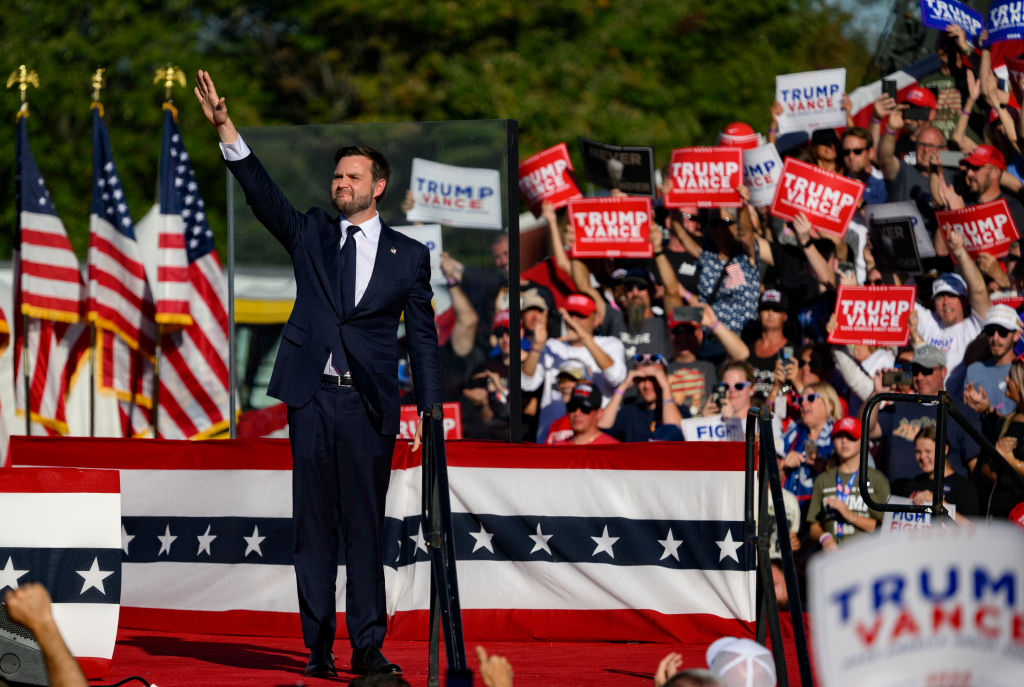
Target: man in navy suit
337 371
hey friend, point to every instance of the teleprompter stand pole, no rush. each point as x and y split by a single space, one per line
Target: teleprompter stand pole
437 522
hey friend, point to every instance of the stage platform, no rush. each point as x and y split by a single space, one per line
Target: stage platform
193 660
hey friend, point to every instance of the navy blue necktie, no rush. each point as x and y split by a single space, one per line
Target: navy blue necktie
348 270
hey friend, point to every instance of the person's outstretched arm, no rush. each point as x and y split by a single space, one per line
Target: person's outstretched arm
30 605
215 108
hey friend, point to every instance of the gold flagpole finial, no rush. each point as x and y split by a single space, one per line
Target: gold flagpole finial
98 82
170 75
23 76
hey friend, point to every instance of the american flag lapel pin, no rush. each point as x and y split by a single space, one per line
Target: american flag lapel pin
393 251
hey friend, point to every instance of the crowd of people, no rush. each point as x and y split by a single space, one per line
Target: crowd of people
734 308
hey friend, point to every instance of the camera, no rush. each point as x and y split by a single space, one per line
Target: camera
718 394
889 88
827 513
898 377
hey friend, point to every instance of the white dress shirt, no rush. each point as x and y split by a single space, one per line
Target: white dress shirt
366 238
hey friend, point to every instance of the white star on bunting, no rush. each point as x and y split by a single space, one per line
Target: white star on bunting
9 576
604 543
728 548
126 539
540 541
253 543
166 539
420 542
205 539
671 546
483 540
93 577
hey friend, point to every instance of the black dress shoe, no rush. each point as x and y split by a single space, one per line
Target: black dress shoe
371 660
321 663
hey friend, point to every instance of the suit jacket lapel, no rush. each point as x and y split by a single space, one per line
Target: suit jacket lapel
383 266
329 265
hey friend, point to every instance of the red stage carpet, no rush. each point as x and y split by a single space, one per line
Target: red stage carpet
173 660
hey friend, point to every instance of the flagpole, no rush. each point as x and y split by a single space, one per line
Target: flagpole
22 76
97 86
167 75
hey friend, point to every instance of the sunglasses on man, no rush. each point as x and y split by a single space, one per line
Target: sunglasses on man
916 370
648 359
853 151
991 329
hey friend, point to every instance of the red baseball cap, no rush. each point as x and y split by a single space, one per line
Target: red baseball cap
920 96
739 135
985 154
500 320
849 426
580 304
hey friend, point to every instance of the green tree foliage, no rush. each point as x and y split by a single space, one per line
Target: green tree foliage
665 74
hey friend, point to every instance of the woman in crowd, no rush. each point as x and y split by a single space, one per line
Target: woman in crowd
771 345
808 441
999 493
957 489
738 379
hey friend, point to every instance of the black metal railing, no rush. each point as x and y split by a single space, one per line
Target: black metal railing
944 407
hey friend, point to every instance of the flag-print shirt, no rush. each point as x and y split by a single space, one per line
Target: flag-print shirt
736 300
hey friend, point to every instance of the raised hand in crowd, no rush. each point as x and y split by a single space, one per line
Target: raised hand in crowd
848 109
976 398
495 671
804 233
668 666
990 267
915 337
773 131
957 32
30 606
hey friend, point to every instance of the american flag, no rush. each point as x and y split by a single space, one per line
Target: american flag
120 301
734 276
67 537
49 290
191 302
586 543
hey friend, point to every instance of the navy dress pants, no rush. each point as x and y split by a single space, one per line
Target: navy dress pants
340 471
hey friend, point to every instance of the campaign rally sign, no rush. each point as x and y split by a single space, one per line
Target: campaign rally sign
430 236
705 177
873 315
893 245
826 198
1005 21
628 169
938 14
811 100
714 428
902 521
611 227
941 606
987 228
548 175
456 196
1014 71
762 168
451 419
908 208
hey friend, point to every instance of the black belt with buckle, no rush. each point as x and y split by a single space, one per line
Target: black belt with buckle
335 380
